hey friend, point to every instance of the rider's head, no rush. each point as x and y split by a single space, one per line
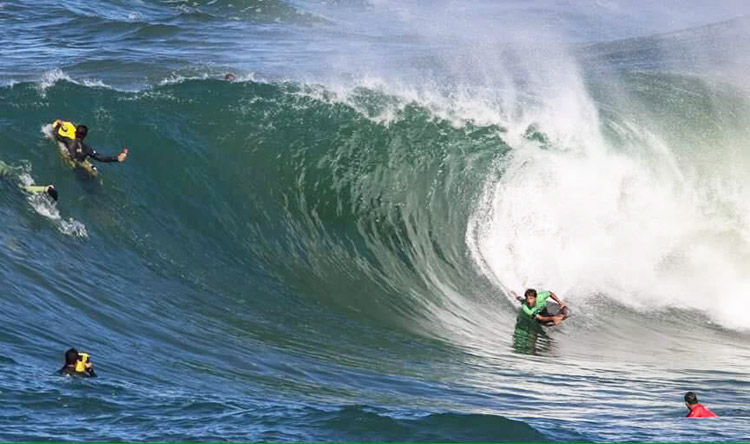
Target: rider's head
530 295
691 398
52 191
81 131
71 356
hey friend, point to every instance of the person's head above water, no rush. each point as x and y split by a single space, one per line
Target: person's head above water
695 408
52 191
71 356
77 364
691 398
81 131
530 295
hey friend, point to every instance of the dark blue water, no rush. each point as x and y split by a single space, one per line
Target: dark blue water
324 249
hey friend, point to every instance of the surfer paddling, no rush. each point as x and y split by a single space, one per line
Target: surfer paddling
71 136
8 171
535 306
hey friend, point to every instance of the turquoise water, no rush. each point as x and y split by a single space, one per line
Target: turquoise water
324 249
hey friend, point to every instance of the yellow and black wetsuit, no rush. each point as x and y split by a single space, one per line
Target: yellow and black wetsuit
65 133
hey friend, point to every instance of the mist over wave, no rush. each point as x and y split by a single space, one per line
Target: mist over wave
650 220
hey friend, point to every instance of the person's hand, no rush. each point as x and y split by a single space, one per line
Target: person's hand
123 155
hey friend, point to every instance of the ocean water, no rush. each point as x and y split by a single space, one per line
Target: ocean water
325 248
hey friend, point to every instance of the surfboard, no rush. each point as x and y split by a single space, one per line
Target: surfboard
85 165
553 309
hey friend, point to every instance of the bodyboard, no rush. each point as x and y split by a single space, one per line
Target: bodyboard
553 309
85 165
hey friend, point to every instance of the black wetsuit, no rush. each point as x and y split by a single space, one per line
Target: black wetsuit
79 151
69 370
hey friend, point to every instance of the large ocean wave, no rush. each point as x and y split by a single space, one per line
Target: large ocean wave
331 256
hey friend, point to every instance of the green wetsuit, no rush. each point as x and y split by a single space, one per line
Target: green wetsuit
541 303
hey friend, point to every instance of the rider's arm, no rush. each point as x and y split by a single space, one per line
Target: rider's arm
92 153
556 299
55 130
556 319
528 310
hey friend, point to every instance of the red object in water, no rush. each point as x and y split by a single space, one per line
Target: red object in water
698 411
